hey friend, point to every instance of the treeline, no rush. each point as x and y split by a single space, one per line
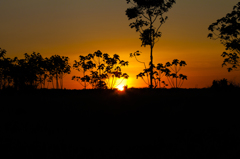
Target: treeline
97 70
33 71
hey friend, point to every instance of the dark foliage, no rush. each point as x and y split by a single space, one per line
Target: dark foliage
146 14
32 72
100 70
227 29
223 84
170 70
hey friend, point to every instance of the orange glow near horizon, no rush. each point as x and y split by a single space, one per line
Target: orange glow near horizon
71 31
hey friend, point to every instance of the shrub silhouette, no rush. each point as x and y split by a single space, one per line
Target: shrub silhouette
174 78
100 70
221 84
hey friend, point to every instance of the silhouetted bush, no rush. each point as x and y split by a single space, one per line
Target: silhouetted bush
222 84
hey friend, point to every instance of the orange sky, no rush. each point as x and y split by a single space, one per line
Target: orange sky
73 28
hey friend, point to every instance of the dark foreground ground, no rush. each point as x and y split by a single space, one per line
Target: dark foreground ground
139 123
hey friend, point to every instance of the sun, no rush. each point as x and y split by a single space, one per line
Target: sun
120 87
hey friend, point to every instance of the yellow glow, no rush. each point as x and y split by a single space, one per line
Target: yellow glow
67 36
120 87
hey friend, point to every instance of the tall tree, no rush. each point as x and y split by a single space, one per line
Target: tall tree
227 29
146 14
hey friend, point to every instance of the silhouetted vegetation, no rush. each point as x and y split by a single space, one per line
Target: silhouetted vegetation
58 67
175 66
100 70
223 84
162 70
109 124
227 30
147 13
32 72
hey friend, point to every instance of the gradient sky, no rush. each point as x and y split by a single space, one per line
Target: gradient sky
78 27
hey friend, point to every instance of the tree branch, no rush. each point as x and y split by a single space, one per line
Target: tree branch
144 16
155 18
159 27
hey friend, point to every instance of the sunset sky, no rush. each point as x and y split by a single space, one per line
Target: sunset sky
78 27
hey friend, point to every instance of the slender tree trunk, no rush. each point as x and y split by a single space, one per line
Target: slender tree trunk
52 83
61 81
159 82
151 63
151 56
44 80
56 81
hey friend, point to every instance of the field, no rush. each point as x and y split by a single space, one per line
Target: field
137 123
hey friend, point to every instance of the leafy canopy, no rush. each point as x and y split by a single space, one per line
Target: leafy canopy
146 13
104 70
227 29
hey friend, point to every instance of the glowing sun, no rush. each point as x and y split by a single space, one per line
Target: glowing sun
120 87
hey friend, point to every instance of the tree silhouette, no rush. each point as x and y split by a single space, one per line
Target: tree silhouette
83 65
103 70
113 70
146 13
46 68
20 73
227 29
170 70
2 53
158 72
6 70
32 71
2 67
59 67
